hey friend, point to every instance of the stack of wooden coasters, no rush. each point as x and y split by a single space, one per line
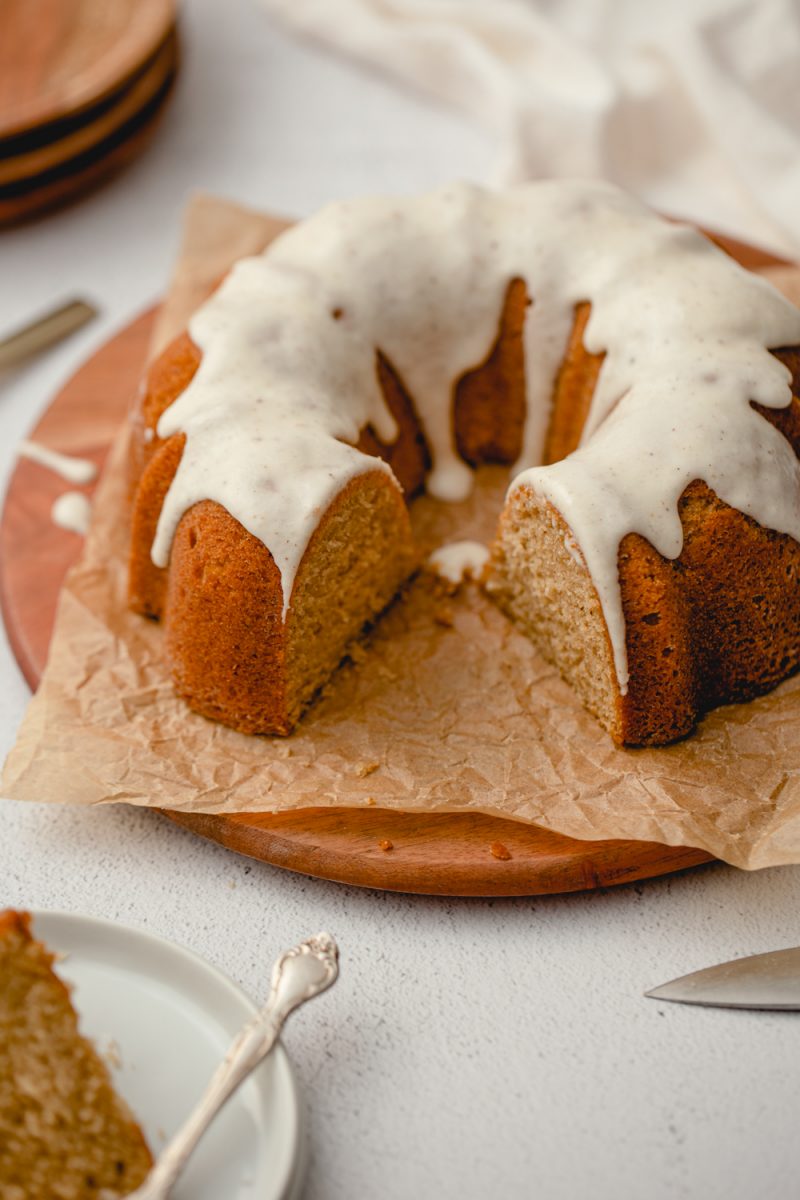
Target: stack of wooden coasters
82 84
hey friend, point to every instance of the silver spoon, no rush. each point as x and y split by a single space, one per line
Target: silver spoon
299 974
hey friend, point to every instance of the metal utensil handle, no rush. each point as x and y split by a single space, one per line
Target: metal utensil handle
299 975
44 331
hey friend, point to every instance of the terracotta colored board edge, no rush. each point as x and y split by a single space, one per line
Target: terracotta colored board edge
567 866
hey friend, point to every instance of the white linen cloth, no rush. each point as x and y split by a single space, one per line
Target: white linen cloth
694 105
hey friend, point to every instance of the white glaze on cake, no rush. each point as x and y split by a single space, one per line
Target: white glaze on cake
456 561
287 376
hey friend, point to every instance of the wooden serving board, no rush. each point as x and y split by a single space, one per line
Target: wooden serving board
446 854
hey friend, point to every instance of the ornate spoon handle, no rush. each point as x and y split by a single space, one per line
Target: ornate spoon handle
298 975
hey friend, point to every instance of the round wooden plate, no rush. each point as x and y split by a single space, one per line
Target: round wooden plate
34 159
444 854
67 158
57 59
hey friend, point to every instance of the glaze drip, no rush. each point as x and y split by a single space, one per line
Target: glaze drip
287 379
457 561
68 466
72 511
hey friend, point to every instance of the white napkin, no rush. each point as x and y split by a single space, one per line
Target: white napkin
692 104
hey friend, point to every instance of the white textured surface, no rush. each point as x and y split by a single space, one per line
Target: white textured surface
472 1047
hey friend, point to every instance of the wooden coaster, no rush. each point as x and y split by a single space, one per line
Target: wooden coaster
60 158
57 59
31 167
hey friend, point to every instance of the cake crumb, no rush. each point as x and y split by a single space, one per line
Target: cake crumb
447 587
385 844
444 616
366 768
109 1049
371 801
498 850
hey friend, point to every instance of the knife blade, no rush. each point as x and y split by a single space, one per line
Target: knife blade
760 981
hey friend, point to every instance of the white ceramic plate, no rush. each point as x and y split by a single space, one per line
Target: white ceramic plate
169 1017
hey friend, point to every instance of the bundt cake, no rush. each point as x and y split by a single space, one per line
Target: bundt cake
638 381
64 1133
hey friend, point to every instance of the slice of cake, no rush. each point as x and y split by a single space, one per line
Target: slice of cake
64 1132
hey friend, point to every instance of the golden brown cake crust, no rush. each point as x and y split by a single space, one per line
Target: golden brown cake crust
727 627
168 376
233 657
489 401
574 388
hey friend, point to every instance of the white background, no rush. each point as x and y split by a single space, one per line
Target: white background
472 1048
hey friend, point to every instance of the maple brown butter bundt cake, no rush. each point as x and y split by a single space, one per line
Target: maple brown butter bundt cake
639 381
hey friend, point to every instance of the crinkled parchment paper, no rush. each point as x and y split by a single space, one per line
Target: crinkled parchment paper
453 704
